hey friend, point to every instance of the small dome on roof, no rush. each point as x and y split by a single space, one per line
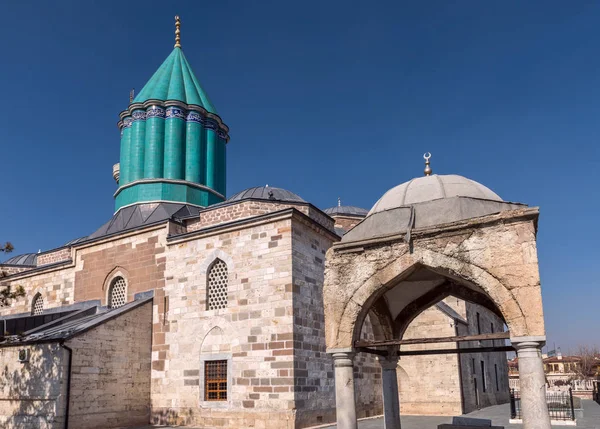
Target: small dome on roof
267 193
430 188
346 211
27 259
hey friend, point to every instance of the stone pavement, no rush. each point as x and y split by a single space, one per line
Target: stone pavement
499 414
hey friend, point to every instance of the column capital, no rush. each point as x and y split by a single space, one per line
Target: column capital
343 359
388 362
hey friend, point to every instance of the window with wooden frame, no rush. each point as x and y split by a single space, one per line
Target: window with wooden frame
215 380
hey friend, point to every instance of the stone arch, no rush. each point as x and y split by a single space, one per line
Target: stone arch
215 341
118 271
365 295
212 257
37 304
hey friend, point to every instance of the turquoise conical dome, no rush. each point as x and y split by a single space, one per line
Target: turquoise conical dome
175 80
172 141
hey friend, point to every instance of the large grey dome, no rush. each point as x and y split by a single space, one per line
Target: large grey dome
434 187
266 193
428 201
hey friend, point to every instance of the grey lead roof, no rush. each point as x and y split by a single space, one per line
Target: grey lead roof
346 210
266 193
26 259
141 215
72 324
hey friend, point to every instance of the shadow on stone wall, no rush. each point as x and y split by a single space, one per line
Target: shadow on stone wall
31 393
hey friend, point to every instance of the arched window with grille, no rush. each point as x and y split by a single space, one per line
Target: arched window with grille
217 282
37 305
117 293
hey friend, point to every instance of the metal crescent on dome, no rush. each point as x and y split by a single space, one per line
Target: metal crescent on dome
427 170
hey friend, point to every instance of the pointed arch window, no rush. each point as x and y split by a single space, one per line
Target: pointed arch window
117 293
37 305
217 284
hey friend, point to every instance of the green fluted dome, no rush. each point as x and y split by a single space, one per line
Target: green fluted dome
175 80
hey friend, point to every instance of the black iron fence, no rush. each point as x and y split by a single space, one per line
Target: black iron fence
560 405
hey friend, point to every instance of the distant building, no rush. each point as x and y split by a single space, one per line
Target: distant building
562 373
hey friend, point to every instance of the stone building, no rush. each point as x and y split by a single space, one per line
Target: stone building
188 307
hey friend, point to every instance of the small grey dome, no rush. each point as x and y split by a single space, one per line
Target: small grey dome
266 193
27 259
346 211
434 187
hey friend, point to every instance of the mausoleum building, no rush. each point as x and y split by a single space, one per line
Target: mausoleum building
260 310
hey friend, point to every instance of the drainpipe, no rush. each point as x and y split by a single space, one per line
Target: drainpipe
68 396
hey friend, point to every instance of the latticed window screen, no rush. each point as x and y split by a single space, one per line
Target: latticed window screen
117 296
215 376
38 305
217 286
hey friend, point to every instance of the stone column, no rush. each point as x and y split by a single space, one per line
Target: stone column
533 383
391 401
345 402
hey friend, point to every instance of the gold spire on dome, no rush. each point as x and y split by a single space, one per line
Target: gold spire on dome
428 170
177 32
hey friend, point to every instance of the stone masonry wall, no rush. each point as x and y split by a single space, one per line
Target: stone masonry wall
313 367
495 364
55 287
430 384
246 209
367 378
32 394
346 222
254 333
110 376
54 256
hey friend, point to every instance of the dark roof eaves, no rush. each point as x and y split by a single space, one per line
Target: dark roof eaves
38 269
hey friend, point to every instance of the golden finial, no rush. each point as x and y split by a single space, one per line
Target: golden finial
428 170
131 95
177 32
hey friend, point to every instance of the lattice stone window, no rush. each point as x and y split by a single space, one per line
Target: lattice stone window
117 294
38 305
217 286
215 380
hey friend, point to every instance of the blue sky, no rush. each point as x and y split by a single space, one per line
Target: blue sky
327 99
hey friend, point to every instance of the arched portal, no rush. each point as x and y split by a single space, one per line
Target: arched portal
488 260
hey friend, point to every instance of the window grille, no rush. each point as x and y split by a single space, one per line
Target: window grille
217 286
215 376
38 305
117 295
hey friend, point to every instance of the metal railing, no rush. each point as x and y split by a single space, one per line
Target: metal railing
560 405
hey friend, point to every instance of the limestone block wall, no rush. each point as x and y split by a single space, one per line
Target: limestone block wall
430 384
254 333
313 367
56 287
367 378
32 394
110 375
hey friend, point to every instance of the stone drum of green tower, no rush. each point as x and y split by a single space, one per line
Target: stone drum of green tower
172 141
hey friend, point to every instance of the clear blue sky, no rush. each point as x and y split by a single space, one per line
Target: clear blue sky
327 99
